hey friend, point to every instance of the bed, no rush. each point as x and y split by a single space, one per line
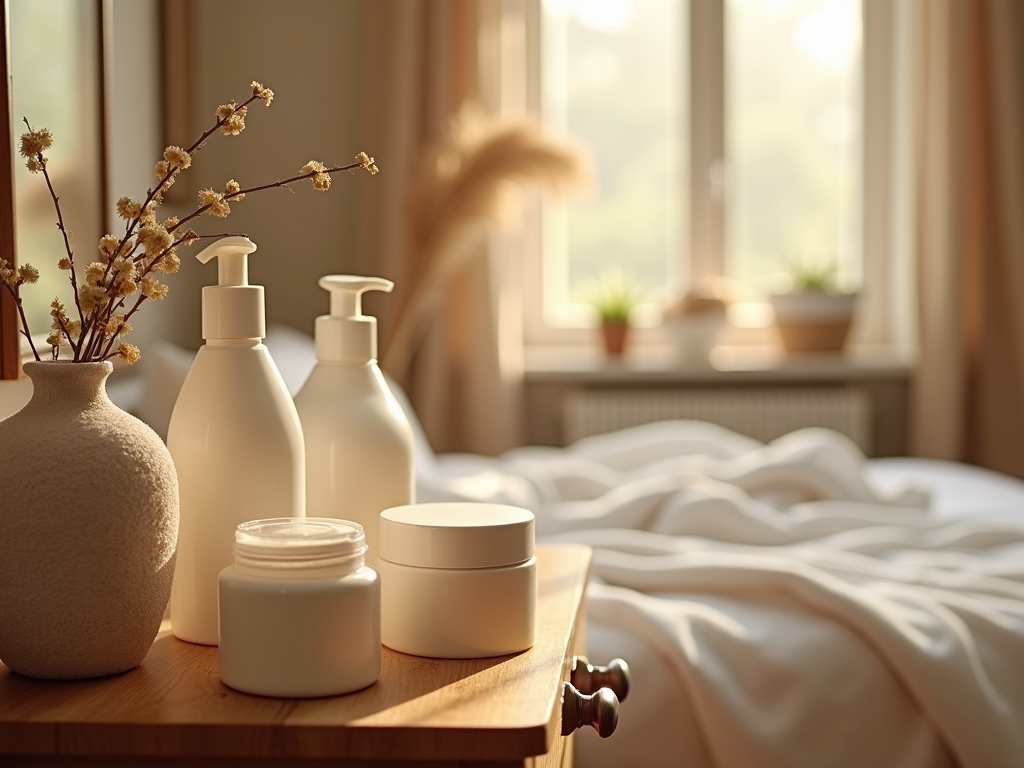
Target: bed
789 604
786 604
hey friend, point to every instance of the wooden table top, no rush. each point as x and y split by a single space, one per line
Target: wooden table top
174 705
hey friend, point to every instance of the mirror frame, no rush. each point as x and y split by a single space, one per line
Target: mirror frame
10 356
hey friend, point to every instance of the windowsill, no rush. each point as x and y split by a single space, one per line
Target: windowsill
662 364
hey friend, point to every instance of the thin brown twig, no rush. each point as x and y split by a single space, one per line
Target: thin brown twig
60 223
281 183
133 223
24 322
67 333
195 147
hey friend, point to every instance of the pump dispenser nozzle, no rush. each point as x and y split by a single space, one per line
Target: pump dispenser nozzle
232 309
347 335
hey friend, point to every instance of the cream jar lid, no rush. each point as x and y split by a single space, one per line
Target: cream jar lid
456 535
298 542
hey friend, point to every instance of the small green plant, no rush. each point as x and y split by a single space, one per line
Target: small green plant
613 294
813 274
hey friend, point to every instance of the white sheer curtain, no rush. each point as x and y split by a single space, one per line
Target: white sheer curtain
968 231
423 60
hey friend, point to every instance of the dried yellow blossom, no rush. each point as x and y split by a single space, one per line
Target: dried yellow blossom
154 289
264 93
218 206
168 263
34 166
125 269
95 272
117 326
5 270
167 173
148 215
234 126
56 307
56 338
233 188
128 209
233 117
64 263
320 178
190 237
129 352
365 161
178 157
154 238
91 296
126 288
109 243
34 143
171 223
28 274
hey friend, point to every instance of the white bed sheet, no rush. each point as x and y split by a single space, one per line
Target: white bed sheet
658 726
790 604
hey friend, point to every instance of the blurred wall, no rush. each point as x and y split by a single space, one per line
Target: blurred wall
307 51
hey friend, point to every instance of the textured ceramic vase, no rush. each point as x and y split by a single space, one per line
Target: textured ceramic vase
88 528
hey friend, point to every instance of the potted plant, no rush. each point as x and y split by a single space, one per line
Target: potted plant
815 314
614 295
695 321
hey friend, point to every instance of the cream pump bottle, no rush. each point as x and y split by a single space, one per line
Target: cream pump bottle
235 438
359 445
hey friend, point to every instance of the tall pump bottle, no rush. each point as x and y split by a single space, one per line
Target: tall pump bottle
359 445
235 438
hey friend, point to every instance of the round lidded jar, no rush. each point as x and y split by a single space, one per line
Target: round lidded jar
459 580
299 609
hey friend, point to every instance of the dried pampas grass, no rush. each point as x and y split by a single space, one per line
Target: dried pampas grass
474 181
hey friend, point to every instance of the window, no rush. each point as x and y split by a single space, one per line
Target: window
55 83
727 136
793 117
612 75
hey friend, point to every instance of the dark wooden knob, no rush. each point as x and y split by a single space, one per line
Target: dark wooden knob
589 678
600 710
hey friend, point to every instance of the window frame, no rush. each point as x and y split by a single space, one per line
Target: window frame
879 320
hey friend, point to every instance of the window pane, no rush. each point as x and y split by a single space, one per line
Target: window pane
793 115
612 78
54 72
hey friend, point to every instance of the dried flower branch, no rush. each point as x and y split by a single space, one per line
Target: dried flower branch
129 265
473 180
13 280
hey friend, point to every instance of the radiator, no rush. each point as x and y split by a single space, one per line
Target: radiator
761 413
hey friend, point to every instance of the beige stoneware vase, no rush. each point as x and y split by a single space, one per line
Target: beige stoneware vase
88 528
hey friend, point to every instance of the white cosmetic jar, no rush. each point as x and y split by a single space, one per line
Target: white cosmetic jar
459 580
299 609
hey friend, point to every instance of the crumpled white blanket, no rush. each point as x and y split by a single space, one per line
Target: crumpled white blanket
792 612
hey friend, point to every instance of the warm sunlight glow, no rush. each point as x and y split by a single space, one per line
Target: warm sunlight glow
830 35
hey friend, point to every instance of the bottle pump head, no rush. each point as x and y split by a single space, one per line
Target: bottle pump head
232 309
347 335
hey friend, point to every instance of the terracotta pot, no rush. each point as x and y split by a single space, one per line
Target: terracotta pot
88 528
614 337
814 321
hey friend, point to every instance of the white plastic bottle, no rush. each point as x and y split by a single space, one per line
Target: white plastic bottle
359 445
235 438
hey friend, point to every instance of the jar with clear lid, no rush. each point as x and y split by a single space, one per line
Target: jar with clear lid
299 609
